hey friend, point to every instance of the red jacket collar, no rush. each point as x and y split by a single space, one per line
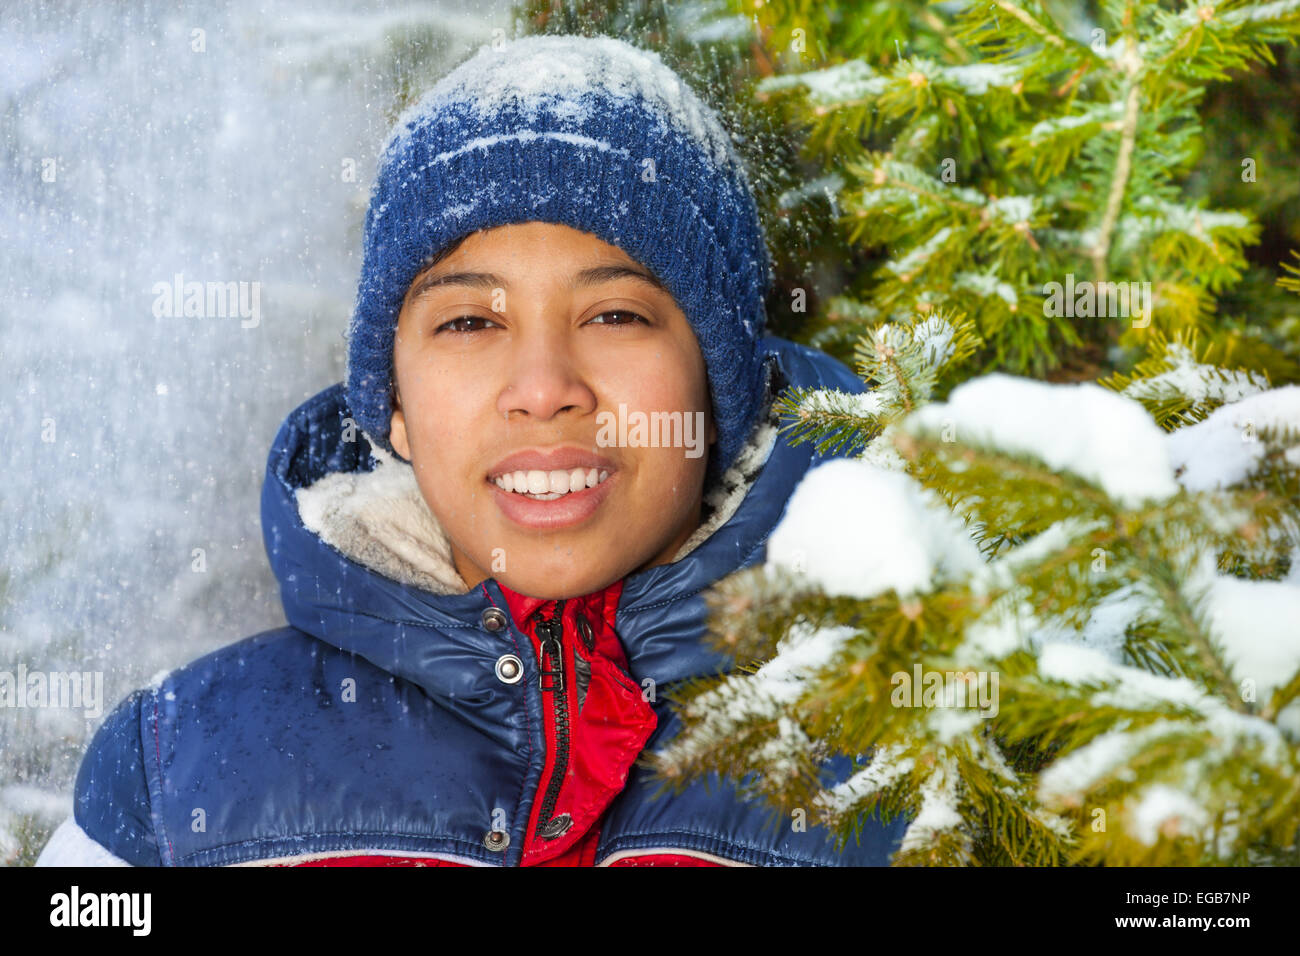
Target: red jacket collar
599 604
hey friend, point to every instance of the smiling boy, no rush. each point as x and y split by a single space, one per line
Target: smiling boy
489 607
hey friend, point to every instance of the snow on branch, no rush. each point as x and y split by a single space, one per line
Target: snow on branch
1084 429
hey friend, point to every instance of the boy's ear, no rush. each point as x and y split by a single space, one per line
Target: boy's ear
397 428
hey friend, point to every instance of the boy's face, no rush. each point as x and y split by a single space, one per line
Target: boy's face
537 358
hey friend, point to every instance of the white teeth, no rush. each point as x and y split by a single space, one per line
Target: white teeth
549 485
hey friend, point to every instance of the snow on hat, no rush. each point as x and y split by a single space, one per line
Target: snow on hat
592 133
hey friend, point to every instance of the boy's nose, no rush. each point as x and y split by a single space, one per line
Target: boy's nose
542 379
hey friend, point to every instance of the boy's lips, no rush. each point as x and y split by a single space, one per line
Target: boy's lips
557 459
563 512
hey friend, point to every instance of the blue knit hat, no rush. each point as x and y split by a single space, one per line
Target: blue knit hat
592 133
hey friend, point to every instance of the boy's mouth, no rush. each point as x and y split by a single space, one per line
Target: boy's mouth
553 488
552 511
550 485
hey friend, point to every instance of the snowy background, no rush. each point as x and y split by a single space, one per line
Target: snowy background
226 165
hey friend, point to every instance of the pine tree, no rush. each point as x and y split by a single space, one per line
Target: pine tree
1125 601
985 154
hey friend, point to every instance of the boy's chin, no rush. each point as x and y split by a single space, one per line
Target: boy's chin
549 588
544 580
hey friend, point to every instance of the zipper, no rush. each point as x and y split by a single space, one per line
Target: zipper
550 633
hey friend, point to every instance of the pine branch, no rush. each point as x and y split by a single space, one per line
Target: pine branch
1132 65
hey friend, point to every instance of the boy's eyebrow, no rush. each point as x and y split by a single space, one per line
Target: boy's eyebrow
598 274
487 281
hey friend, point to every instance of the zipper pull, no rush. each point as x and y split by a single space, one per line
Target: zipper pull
551 632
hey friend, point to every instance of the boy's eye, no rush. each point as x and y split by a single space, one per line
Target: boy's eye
463 318
623 312
632 316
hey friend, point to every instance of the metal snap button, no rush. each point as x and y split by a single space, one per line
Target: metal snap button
584 631
494 619
510 669
496 840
